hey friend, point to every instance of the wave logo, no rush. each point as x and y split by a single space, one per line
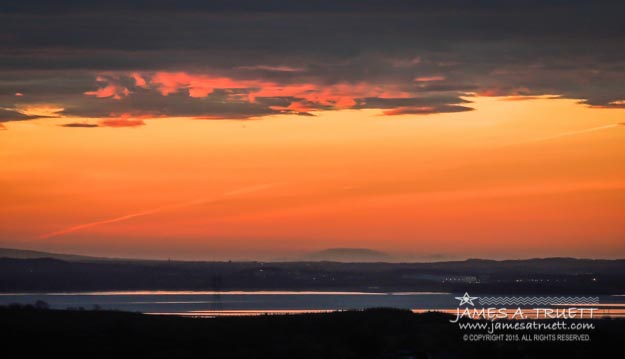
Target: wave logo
538 300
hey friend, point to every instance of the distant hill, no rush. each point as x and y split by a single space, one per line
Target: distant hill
28 254
332 269
348 255
537 276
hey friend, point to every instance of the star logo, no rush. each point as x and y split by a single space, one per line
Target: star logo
466 299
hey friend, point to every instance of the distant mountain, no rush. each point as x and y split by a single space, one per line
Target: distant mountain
347 255
28 254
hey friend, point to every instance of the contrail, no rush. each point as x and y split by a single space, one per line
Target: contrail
569 133
156 210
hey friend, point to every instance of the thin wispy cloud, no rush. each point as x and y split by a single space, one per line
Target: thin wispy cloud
151 211
566 134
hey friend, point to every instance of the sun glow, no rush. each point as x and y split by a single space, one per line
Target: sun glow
531 178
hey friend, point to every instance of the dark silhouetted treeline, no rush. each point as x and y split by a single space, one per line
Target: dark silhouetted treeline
377 333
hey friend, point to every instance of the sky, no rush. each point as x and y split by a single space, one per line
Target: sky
233 130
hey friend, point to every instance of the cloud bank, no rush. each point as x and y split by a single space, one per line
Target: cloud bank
125 61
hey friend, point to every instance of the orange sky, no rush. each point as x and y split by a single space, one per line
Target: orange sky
532 178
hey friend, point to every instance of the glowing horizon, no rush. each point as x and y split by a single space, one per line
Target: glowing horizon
497 182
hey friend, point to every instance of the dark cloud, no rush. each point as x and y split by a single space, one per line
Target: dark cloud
386 103
151 103
287 6
7 115
245 58
79 125
426 110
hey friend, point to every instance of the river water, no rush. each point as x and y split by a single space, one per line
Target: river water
208 303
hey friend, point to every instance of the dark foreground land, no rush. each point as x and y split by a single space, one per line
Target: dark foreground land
376 333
